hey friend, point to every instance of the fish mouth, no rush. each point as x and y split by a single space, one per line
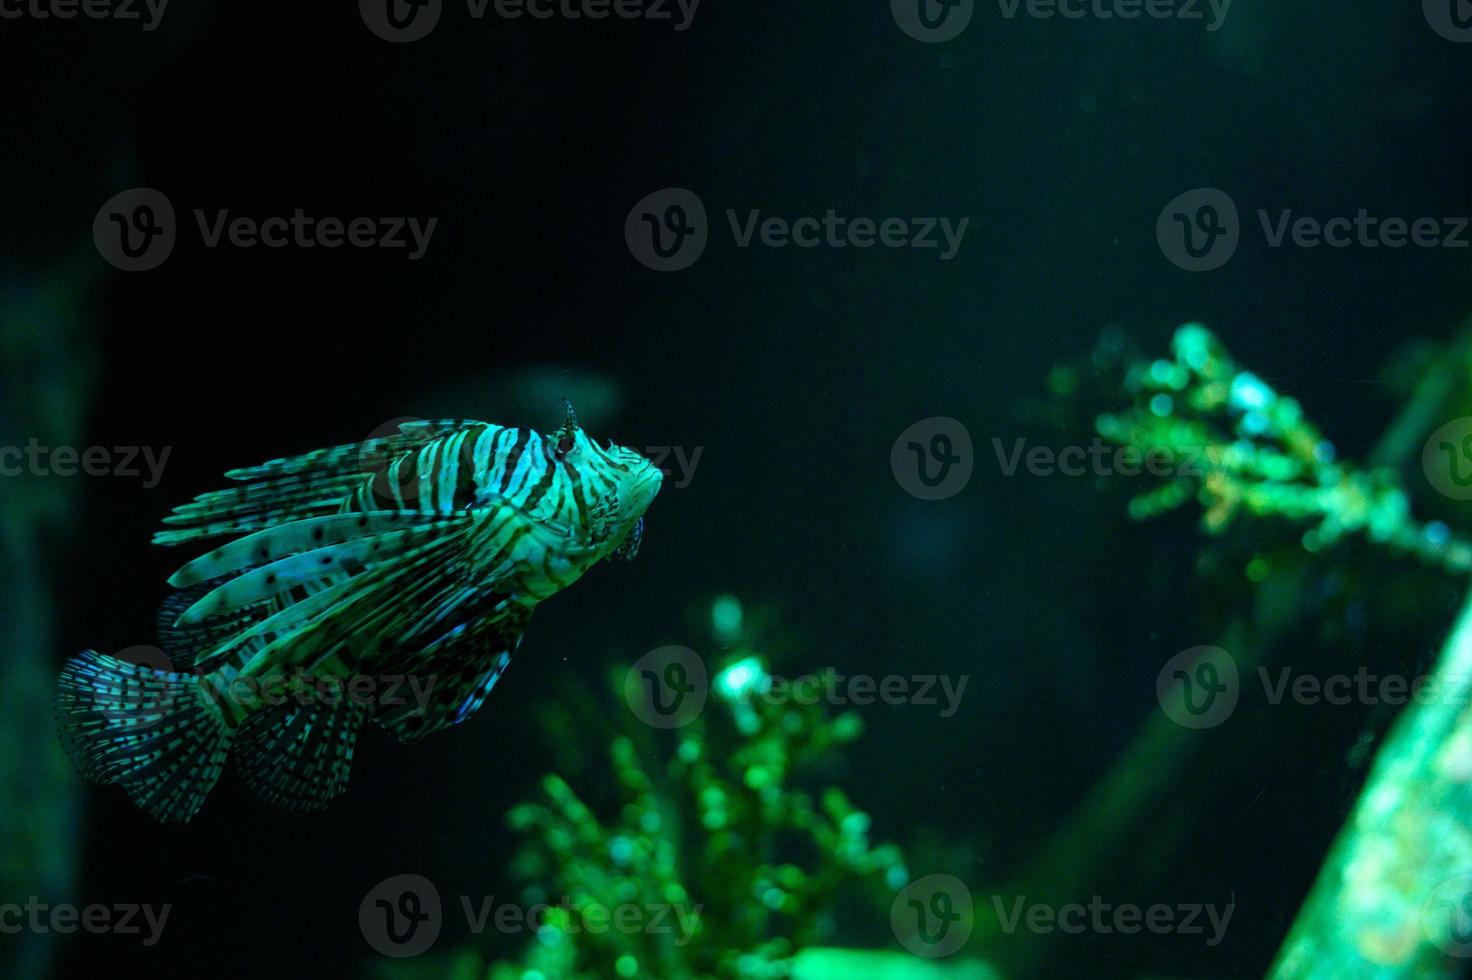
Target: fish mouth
645 488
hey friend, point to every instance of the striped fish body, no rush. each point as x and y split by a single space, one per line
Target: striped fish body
420 555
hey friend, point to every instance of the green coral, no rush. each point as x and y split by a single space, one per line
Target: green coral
718 825
1223 437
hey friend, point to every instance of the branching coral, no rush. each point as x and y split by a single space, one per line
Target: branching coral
718 830
1224 437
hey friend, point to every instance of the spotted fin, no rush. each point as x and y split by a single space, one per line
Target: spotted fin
275 543
297 756
152 732
269 581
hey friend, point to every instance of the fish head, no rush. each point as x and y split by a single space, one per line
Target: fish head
620 484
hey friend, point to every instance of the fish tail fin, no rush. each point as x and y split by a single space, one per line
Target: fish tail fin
153 732
297 757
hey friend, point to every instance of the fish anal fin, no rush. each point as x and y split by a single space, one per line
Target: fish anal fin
297 756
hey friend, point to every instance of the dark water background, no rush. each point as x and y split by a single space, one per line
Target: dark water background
794 370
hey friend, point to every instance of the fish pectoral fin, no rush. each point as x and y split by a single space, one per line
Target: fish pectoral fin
456 673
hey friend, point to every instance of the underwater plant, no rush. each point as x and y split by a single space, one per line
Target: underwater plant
1392 897
715 821
1236 446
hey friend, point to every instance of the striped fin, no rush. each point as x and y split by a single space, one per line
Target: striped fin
393 601
292 488
354 457
298 757
363 606
152 732
297 537
240 512
269 581
188 646
464 665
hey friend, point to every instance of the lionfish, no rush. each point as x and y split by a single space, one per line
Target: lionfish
420 554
